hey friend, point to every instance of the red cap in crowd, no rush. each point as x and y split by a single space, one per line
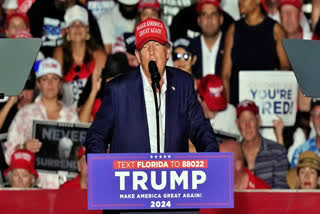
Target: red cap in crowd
150 30
22 159
16 14
211 89
296 3
247 105
202 2
154 4
81 152
21 34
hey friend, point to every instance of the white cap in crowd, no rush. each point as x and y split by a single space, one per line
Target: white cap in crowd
76 13
49 66
128 2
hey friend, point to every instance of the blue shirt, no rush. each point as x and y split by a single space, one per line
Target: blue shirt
309 145
271 164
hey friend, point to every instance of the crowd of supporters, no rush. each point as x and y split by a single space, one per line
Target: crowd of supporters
210 39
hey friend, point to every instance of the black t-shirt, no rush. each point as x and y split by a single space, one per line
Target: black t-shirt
185 24
254 48
46 23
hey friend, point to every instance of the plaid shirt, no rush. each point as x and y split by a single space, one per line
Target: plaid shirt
271 164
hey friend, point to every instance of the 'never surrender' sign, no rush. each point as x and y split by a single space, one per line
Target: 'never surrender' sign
160 181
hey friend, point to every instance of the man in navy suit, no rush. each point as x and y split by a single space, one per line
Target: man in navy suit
209 45
126 119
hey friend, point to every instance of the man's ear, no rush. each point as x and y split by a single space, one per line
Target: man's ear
138 56
168 52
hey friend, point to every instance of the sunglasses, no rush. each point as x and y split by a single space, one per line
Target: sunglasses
177 56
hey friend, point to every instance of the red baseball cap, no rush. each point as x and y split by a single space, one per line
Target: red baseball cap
247 105
202 2
150 30
211 89
153 4
296 3
16 14
22 34
22 159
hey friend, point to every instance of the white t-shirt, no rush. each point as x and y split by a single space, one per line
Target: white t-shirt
226 121
231 7
112 25
209 57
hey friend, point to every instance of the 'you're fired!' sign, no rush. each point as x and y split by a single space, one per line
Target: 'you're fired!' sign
275 92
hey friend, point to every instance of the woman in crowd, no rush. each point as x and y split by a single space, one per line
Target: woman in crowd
79 56
252 43
45 107
306 175
90 99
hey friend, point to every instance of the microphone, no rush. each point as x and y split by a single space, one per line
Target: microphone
155 75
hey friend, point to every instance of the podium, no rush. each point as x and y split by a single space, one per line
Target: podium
160 182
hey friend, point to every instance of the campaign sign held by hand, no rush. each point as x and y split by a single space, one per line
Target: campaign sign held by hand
160 181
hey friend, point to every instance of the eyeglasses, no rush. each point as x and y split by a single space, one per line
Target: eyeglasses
177 56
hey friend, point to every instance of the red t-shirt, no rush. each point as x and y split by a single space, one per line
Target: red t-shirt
72 184
255 182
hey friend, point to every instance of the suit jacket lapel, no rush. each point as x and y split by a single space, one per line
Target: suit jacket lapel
142 111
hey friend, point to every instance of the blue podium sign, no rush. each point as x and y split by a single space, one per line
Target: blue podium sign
160 181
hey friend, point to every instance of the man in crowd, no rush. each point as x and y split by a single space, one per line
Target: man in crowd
128 105
243 177
185 23
47 21
114 23
21 172
274 12
81 180
211 96
290 16
209 45
126 44
16 22
266 159
312 144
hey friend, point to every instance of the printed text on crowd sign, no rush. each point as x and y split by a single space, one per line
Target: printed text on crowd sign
275 92
160 181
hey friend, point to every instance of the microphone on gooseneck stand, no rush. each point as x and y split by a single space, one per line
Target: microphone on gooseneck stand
155 83
155 75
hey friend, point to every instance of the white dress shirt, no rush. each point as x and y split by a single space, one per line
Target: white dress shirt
151 112
209 57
